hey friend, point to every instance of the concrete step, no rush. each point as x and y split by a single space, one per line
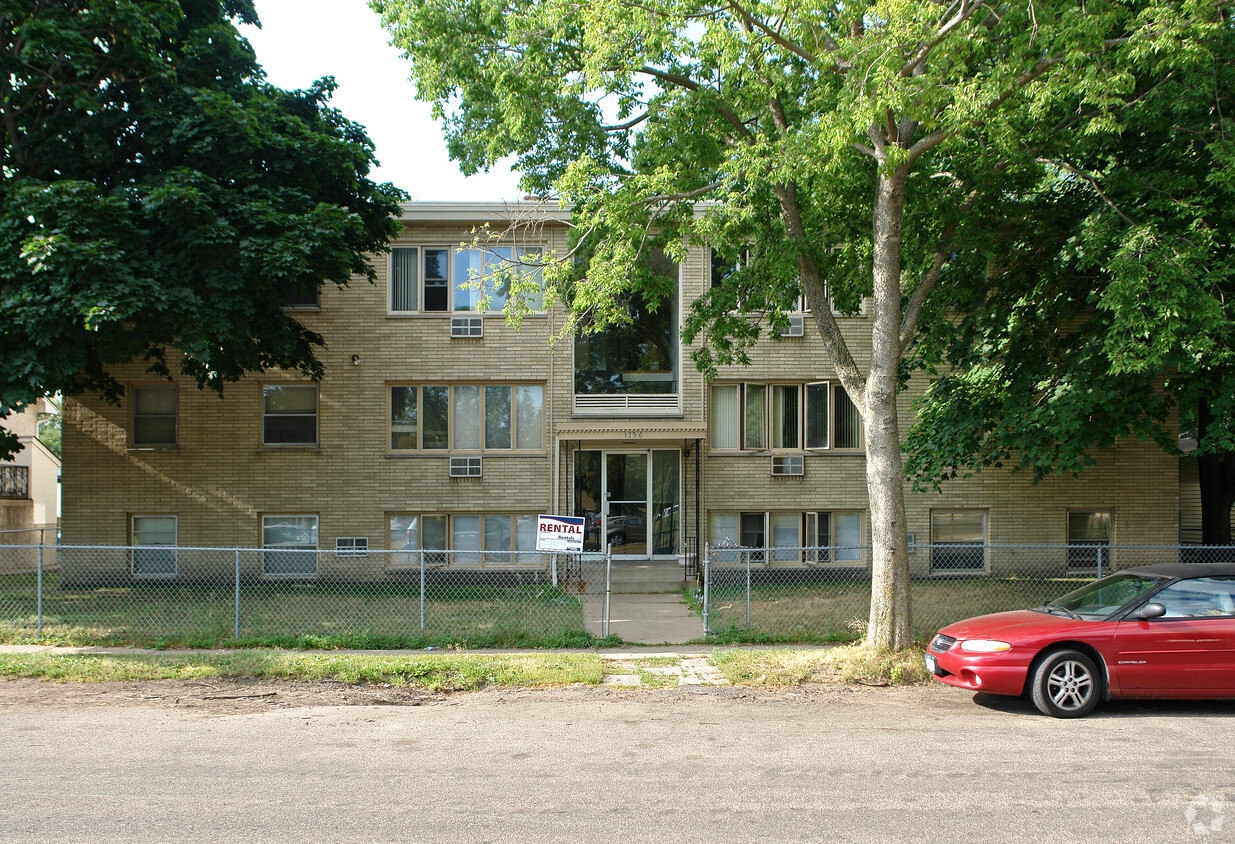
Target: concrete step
632 578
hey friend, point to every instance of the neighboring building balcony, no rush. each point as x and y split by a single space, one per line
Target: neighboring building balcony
14 481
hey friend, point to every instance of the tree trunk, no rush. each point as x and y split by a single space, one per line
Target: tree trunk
1217 475
890 624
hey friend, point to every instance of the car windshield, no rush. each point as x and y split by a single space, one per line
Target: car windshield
1103 597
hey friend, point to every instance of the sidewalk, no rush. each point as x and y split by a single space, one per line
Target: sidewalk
645 619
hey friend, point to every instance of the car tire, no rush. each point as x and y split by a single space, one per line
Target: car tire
1066 684
618 539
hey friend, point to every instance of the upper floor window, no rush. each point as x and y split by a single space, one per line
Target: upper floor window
470 417
289 414
155 412
441 279
755 416
638 355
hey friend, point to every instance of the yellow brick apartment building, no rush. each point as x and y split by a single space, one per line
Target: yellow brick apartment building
440 426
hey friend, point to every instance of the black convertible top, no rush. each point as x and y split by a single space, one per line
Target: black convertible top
1184 570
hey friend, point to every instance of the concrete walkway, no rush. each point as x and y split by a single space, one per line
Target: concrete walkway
645 618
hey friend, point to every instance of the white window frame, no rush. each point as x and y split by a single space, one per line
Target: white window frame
134 416
402 557
289 547
766 418
452 446
316 414
138 546
841 556
488 258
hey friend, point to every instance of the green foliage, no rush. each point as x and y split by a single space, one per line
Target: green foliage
1103 309
156 192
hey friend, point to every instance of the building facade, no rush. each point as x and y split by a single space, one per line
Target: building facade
440 425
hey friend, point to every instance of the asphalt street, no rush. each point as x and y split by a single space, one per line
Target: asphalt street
582 764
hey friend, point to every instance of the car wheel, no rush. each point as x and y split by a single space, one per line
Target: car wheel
1066 684
618 539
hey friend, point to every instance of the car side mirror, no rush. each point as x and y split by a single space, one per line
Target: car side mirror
1151 610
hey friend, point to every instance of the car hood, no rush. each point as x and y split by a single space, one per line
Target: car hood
1018 626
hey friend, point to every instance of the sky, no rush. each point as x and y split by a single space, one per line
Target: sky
303 40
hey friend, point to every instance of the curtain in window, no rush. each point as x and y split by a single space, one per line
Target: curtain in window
404 271
847 423
817 415
529 414
724 416
785 417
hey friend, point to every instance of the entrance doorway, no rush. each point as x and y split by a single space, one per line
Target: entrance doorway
631 499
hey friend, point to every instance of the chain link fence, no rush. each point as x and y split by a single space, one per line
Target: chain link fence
208 597
786 594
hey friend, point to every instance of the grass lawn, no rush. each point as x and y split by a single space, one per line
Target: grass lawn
313 615
837 612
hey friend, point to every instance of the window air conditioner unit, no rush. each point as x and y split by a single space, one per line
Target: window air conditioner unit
795 328
465 467
351 546
788 464
473 326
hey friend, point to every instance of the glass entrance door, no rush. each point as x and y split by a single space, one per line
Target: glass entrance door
631 500
626 497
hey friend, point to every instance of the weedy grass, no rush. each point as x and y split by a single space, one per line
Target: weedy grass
847 664
433 672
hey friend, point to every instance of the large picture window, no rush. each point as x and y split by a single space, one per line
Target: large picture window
155 416
783 417
472 538
289 414
814 537
441 279
467 417
638 356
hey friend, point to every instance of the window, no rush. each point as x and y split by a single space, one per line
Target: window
467 417
1089 539
301 298
1200 597
439 279
811 537
289 546
289 414
154 540
783 417
958 540
635 357
154 416
474 538
834 537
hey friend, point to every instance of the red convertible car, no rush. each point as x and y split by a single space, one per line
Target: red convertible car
1161 631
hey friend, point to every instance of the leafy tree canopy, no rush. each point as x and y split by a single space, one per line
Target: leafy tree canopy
157 194
867 145
1103 306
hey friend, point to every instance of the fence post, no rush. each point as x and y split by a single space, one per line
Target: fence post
554 567
39 633
748 554
422 593
1099 561
608 584
706 596
237 632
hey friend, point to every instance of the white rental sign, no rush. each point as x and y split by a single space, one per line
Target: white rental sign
563 534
